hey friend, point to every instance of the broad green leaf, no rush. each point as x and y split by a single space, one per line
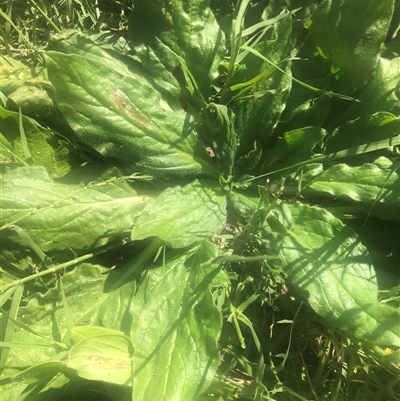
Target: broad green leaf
42 143
112 50
59 216
35 102
63 388
80 333
182 215
349 37
164 33
28 88
295 147
243 202
373 188
379 94
100 99
176 327
104 356
327 261
364 130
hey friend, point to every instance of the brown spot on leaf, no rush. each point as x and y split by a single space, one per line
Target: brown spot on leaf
124 104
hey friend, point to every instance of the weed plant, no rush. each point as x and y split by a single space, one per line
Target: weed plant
200 200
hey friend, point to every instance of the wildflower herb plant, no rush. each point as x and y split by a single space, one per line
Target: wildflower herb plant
206 208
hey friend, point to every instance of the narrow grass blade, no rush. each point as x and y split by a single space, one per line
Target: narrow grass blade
69 319
354 151
312 88
29 242
24 142
6 295
9 331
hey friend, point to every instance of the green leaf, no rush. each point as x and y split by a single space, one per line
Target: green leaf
327 260
258 113
43 147
295 147
364 130
247 162
304 108
103 356
102 99
183 215
352 47
373 188
35 374
8 327
14 75
59 216
379 94
35 102
163 33
224 137
176 327
94 299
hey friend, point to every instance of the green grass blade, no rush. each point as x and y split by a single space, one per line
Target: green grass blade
9 331
6 295
29 242
24 142
44 15
354 151
312 88
69 319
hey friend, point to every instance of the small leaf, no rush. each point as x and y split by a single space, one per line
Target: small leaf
40 145
176 327
327 260
104 356
295 147
183 215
